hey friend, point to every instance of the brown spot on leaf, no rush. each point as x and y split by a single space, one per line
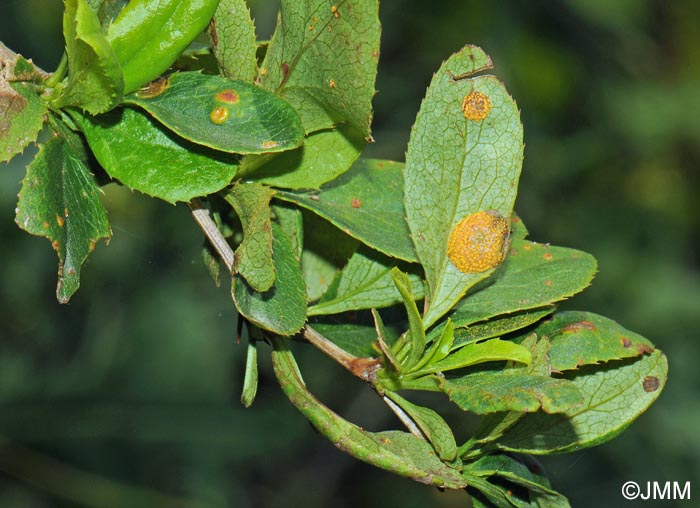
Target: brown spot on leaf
46 225
228 96
577 327
331 83
92 245
651 384
476 106
365 368
356 203
56 245
154 88
269 144
59 220
547 256
334 10
527 246
285 72
626 342
212 33
71 271
548 282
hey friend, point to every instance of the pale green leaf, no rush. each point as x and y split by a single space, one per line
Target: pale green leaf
323 59
232 37
456 166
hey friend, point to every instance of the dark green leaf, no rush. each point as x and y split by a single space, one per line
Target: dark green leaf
356 339
366 203
137 151
363 284
232 37
291 222
398 452
457 166
325 155
227 115
323 59
282 308
584 338
59 200
416 331
149 35
22 115
250 380
534 275
491 392
253 257
95 82
614 394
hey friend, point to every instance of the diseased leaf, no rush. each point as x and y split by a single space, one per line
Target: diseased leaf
431 424
492 350
232 37
461 166
140 153
533 275
366 203
59 200
323 59
491 392
95 81
22 115
325 155
363 284
397 452
584 338
253 257
282 308
614 396
227 115
499 325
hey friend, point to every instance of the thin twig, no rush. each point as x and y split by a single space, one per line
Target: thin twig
405 419
211 231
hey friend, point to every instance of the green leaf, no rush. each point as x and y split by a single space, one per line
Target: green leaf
416 331
366 203
365 283
323 59
499 326
492 495
250 379
149 35
431 424
253 257
533 275
457 166
95 82
492 350
282 308
614 396
325 155
22 115
291 222
584 338
59 200
140 153
491 392
440 348
227 115
356 339
519 470
232 38
397 452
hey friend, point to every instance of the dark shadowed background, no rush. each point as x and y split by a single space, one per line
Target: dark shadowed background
128 396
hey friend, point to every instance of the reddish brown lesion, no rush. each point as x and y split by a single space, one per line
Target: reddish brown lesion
577 327
228 96
154 88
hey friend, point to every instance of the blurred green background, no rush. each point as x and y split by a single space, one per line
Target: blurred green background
128 396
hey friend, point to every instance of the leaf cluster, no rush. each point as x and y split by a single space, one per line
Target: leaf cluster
415 276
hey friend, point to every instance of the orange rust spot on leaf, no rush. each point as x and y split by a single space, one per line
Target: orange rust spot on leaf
65 212
71 271
228 96
269 144
92 245
547 256
218 115
527 246
46 225
56 245
651 384
356 203
331 83
577 327
476 106
263 71
334 10
153 89
59 220
478 242
548 282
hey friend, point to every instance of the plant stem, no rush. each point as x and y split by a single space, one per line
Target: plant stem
59 73
211 231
